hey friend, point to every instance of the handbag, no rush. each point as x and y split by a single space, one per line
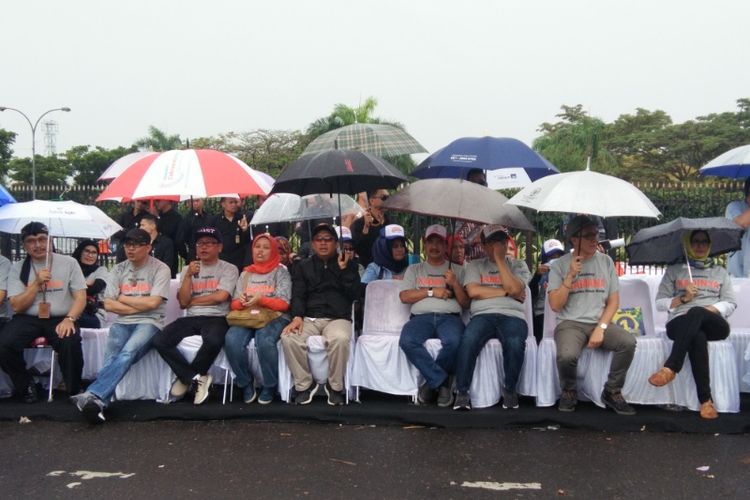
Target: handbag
252 317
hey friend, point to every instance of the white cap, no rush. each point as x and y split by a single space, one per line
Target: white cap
344 233
550 246
436 230
393 231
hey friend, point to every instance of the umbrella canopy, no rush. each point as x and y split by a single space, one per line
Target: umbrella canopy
376 138
586 192
63 218
735 163
337 171
486 153
458 199
662 244
5 197
287 207
121 164
185 173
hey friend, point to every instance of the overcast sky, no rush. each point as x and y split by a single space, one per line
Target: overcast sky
445 69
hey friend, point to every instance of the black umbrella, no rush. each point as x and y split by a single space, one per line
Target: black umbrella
662 244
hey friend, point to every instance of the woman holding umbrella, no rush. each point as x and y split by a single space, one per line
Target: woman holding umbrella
699 297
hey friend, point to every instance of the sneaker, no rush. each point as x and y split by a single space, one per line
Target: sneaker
463 401
510 399
335 398
568 401
203 385
615 401
248 393
426 395
29 395
80 399
266 395
93 410
445 394
306 396
179 388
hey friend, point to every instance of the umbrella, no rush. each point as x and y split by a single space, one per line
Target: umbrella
184 174
487 153
287 207
121 164
586 192
735 163
375 138
63 218
458 199
662 244
5 197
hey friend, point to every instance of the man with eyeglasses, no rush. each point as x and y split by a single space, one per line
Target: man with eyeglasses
584 292
366 229
48 294
206 287
136 291
323 289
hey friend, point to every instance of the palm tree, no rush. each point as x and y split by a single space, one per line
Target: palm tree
158 140
344 115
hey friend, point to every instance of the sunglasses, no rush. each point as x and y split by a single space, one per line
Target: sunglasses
324 239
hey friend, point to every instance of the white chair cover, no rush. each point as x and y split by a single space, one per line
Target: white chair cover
740 333
93 343
173 310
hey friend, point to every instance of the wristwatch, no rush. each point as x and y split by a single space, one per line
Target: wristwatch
603 326
71 318
430 292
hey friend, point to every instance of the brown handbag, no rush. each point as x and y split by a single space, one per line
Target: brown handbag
252 317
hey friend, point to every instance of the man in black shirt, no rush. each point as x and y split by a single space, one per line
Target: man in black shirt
170 225
233 226
162 247
195 219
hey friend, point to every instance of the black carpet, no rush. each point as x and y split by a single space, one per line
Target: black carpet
381 409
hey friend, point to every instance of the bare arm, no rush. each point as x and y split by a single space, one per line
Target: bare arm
118 307
743 219
141 304
21 302
217 297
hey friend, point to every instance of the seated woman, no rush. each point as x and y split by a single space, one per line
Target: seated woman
264 283
390 258
87 256
698 304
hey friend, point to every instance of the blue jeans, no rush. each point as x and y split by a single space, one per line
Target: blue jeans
235 347
126 344
510 331
422 327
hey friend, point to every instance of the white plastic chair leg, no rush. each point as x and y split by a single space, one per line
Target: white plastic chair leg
224 395
51 375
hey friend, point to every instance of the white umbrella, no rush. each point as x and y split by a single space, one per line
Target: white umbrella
288 207
586 192
62 218
121 164
735 163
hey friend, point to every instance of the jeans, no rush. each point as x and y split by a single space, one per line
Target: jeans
126 344
422 327
266 338
511 332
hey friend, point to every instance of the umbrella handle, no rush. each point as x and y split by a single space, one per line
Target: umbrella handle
687 261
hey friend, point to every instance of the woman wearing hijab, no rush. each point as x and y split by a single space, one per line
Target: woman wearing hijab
87 256
455 250
390 257
264 283
699 300
286 256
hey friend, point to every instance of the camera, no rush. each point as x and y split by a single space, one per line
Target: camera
610 244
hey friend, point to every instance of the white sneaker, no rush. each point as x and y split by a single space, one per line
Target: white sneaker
203 384
179 388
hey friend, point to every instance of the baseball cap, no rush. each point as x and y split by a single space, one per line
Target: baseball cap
137 235
324 227
552 245
210 232
579 222
436 230
33 228
344 233
495 232
393 231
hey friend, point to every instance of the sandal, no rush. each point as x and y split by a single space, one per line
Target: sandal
662 377
708 411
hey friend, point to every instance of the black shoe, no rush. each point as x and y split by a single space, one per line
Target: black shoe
426 395
335 398
615 401
568 401
93 410
463 401
510 399
445 394
306 396
29 395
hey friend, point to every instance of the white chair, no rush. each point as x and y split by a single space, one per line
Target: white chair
93 343
739 321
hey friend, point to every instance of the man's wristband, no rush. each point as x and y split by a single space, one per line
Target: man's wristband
71 318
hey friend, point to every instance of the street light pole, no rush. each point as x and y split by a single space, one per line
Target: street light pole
33 140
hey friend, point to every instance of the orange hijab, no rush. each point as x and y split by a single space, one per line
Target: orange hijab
273 260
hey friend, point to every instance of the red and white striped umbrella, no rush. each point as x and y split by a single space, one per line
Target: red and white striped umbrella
181 174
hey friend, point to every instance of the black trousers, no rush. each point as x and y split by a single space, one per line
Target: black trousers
212 330
691 333
18 334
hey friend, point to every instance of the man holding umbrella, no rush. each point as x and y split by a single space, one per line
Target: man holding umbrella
584 292
738 211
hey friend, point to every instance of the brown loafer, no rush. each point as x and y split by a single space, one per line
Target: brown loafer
662 377
708 411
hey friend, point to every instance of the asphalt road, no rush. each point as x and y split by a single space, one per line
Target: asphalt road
274 460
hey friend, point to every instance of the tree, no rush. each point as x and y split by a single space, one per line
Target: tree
7 138
88 164
158 140
49 170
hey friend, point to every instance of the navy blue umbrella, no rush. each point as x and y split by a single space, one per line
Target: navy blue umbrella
484 153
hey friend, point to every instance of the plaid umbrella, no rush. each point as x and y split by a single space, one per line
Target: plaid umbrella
378 139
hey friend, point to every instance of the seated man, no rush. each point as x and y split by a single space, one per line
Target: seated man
497 287
584 292
47 293
434 290
323 289
136 291
205 290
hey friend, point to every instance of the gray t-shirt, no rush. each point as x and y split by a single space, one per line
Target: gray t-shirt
591 288
277 284
714 285
67 278
4 271
220 276
484 272
423 275
149 280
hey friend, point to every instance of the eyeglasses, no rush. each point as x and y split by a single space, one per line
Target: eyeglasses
348 249
700 242
133 244
323 239
589 236
41 240
206 243
382 197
